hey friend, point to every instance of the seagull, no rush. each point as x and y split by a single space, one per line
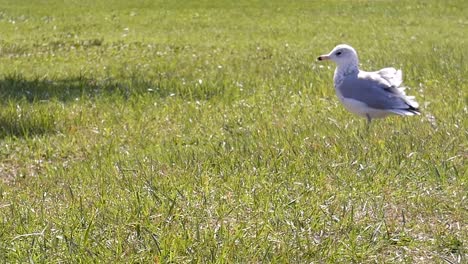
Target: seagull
369 94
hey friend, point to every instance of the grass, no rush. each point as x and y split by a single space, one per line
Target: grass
204 131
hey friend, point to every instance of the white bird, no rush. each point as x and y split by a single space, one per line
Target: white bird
368 94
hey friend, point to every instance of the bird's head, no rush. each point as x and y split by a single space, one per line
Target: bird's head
342 55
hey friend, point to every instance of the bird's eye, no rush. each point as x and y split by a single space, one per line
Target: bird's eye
338 53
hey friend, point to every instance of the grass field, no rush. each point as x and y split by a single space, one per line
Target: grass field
205 132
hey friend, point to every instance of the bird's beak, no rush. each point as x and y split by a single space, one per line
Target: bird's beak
323 57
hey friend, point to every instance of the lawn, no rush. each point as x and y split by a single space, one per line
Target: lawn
206 132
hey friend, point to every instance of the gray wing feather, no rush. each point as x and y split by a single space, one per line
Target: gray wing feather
374 91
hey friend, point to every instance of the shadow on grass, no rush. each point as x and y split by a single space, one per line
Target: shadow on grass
25 110
16 87
29 106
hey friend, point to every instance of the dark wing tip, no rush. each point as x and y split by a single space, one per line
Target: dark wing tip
413 110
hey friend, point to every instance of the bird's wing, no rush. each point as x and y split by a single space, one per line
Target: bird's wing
393 76
375 91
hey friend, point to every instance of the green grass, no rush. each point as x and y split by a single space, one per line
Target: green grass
204 131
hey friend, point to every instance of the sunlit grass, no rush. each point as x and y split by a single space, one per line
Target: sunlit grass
188 131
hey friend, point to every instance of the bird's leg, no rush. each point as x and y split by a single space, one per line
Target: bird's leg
368 121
